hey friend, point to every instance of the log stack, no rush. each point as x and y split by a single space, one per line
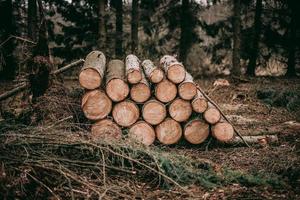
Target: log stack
148 101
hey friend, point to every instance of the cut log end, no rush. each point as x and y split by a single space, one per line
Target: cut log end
134 77
157 75
196 131
223 131
154 112
96 105
187 90
90 79
180 110
199 105
105 129
117 89
125 113
176 73
142 132
165 91
140 93
168 132
212 115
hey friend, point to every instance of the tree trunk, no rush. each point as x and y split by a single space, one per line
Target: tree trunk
152 72
196 131
134 26
168 132
185 30
165 91
142 132
187 89
154 112
92 72
141 91
7 25
119 28
291 71
174 70
116 87
180 110
96 105
125 113
236 68
105 129
101 25
133 70
32 20
256 38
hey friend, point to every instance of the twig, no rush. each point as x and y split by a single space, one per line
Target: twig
222 113
18 38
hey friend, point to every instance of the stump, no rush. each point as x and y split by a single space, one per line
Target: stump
92 72
152 72
125 113
222 131
168 132
174 69
180 110
199 103
141 91
142 132
154 112
96 105
105 129
133 70
165 91
196 131
187 89
116 87
212 115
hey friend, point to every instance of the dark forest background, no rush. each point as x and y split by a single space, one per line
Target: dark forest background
211 37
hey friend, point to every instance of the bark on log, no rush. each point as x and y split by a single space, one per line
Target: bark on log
133 70
116 87
96 105
212 115
141 91
142 132
196 131
187 89
258 139
174 70
152 72
199 103
154 112
125 113
169 131
165 91
92 72
222 131
105 129
180 110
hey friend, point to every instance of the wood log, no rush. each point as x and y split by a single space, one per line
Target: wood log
125 113
152 72
187 89
141 91
105 129
116 87
142 132
174 70
96 104
133 70
92 72
257 139
196 131
154 112
180 110
212 115
222 131
169 131
199 103
165 91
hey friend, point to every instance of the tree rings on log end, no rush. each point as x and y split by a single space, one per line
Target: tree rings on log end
165 91
125 113
169 131
199 105
105 129
140 92
154 112
176 73
96 105
90 79
142 132
180 110
222 131
157 75
117 89
196 131
212 115
134 76
187 90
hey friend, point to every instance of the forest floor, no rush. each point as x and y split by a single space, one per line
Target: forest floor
258 106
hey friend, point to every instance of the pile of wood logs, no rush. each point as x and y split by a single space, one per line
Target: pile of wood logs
151 102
